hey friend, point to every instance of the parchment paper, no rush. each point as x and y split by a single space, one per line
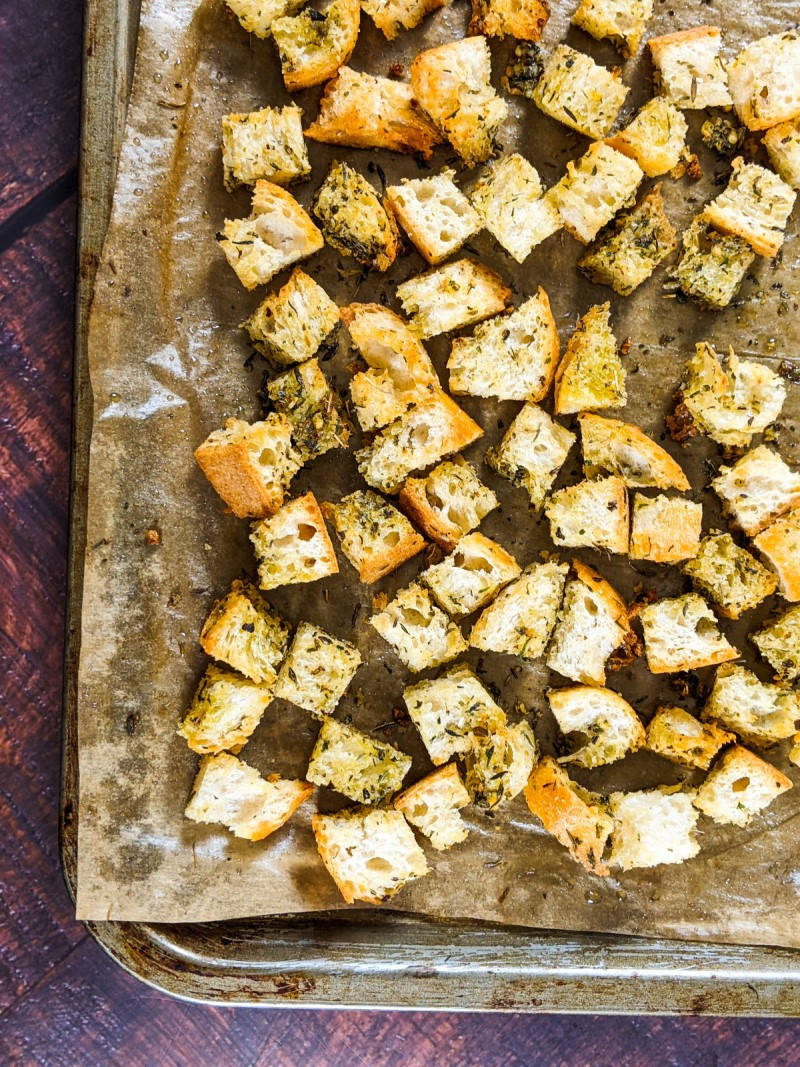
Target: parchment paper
169 364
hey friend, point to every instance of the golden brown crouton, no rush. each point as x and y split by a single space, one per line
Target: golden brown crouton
314 44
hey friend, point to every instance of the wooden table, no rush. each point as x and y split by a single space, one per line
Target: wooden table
61 1000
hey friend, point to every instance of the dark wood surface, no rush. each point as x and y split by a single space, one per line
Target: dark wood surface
62 1001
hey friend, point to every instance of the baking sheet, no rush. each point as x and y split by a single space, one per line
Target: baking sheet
168 364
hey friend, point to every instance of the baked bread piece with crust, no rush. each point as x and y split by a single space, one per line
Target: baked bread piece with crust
688 70
755 205
576 818
651 827
267 143
515 209
740 786
532 452
590 374
314 44
318 670
681 738
757 489
420 633
353 219
356 765
579 93
375 537
499 764
293 545
682 634
594 189
779 544
712 264
655 137
730 576
471 576
764 80
392 16
779 644
523 19
448 502
243 631
305 397
782 143
224 711
257 16
432 806
620 21
608 723
454 295
521 618
624 449
591 514
665 529
290 325
760 713
435 214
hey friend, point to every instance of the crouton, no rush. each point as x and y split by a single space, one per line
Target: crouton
764 81
665 529
434 213
496 18
305 397
419 632
314 44
594 189
267 143
498 764
779 544
574 816
688 70
513 206
578 92
392 16
250 465
293 545
224 711
369 853
655 138
448 503
375 537
621 22
353 219
358 110
229 791
651 827
730 576
522 617
590 374
712 265
523 70
431 805
257 16
244 632
761 714
757 489
782 143
679 737
449 709
452 296
435 428
317 670
452 84
277 234
354 764
622 448
591 514
793 755
681 634
471 575
755 205
512 357
779 644
532 452
740 786
608 723
289 326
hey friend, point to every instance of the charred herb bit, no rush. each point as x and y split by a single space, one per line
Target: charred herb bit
628 652
722 136
680 423
524 70
789 371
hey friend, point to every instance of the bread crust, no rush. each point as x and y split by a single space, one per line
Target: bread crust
582 828
495 18
779 544
665 529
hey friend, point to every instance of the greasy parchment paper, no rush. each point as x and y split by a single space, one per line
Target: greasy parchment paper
169 363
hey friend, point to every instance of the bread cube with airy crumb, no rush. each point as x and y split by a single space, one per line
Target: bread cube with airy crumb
523 19
521 618
432 806
374 535
370 853
257 16
318 670
514 207
448 502
231 792
779 644
575 817
688 70
289 326
782 143
655 138
356 765
532 452
314 44
305 397
243 631
353 219
250 465
499 764
267 143
665 529
681 738
760 713
651 827
779 545
740 786
452 296
434 213
620 21
764 80
755 205
609 723
594 189
580 93
392 16
471 575
730 576
624 449
712 264
591 514
420 633
757 489
590 374
293 545
682 634
224 711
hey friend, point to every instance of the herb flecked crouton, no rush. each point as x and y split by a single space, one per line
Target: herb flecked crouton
267 143
293 545
514 207
575 817
591 514
580 93
392 16
688 70
782 143
655 138
521 618
257 16
712 264
590 374
420 633
755 205
471 575
681 738
621 21
435 214
740 786
760 713
779 644
764 81
594 189
354 764
498 764
651 827
523 70
448 503
610 725
374 535
224 711
305 397
779 545
624 449
532 452
318 670
729 575
353 219
432 806
522 19
757 489
665 529
244 632
682 634
314 44
454 295
289 326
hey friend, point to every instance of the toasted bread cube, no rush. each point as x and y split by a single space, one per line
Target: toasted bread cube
360 111
590 374
575 90
755 205
523 70
622 448
353 219
452 296
420 633
354 764
317 670
655 138
369 853
432 806
532 452
740 786
243 631
452 84
757 489
250 464
779 544
681 738
712 264
651 827
289 326
293 545
224 711
304 395
375 537
277 234
611 725
267 143
779 644
665 529
681 634
621 21
523 615
573 815
591 514
448 503
594 189
435 428
793 755
688 70
434 213
449 709
730 576
257 16
471 576
782 143
500 763
760 713
314 44
392 16
229 791
514 207
764 81
496 18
